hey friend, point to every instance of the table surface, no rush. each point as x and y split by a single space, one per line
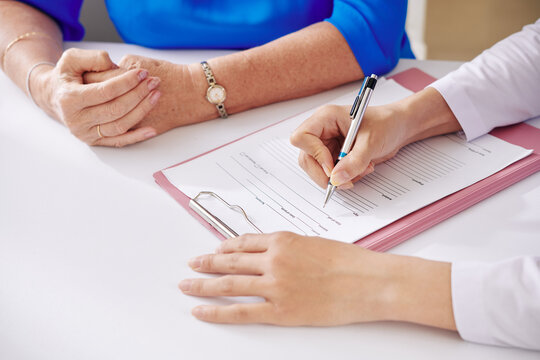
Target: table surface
91 249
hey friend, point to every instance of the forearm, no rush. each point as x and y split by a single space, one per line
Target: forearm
308 61
17 19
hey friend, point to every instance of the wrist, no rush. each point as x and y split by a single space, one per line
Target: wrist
425 114
420 292
40 86
203 108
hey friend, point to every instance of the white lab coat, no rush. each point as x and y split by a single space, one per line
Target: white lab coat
497 304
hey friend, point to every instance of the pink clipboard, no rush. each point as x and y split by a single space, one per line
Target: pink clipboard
408 226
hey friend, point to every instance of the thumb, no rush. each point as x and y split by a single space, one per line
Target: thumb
95 77
79 61
353 165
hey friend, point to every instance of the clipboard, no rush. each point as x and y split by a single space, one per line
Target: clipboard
412 224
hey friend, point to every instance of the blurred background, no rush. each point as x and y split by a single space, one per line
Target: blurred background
438 29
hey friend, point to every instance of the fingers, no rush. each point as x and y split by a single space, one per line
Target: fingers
95 77
244 243
317 137
228 285
313 169
235 263
79 61
100 93
313 146
142 97
131 137
235 314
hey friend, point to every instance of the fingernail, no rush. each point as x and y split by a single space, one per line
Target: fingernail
339 178
153 83
218 249
198 311
155 97
346 186
195 263
185 285
326 170
149 134
143 74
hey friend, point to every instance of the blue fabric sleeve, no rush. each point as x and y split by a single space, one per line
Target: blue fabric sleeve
65 13
375 32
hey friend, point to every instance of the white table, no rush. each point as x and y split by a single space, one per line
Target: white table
91 249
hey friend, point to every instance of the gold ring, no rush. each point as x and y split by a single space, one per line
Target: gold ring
99 131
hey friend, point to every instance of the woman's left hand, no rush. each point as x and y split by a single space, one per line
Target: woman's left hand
305 281
319 282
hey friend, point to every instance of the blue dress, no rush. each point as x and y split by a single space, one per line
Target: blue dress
374 29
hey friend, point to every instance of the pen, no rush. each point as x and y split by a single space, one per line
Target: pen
357 113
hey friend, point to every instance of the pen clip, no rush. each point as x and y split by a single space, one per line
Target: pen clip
356 104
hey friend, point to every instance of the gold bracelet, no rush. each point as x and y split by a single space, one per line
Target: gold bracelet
17 39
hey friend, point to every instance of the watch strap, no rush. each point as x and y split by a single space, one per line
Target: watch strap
211 80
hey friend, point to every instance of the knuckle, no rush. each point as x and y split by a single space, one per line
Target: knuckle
239 313
232 264
129 61
116 110
328 109
197 287
120 127
207 262
102 55
118 143
70 53
296 138
226 285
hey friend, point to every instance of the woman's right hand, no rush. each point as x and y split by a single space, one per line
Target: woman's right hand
109 108
321 136
384 130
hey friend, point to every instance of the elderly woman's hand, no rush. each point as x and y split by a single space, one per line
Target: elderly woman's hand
320 282
183 89
101 113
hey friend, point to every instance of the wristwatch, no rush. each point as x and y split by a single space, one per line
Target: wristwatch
215 94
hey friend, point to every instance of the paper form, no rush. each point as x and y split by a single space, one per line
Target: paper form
261 174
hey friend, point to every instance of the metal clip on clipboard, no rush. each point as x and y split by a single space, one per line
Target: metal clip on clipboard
216 222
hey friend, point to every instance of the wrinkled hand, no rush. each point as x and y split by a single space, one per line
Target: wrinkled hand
182 101
321 136
115 105
305 281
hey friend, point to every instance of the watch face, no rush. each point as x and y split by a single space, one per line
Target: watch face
216 94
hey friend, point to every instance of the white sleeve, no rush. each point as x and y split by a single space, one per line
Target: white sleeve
499 87
498 304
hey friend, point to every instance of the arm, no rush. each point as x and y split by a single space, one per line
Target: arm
499 87
359 38
360 35
498 304
114 106
320 282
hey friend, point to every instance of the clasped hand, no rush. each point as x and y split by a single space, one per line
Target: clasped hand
109 105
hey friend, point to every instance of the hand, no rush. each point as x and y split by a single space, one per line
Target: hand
115 105
183 89
321 136
305 281
384 130
314 281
